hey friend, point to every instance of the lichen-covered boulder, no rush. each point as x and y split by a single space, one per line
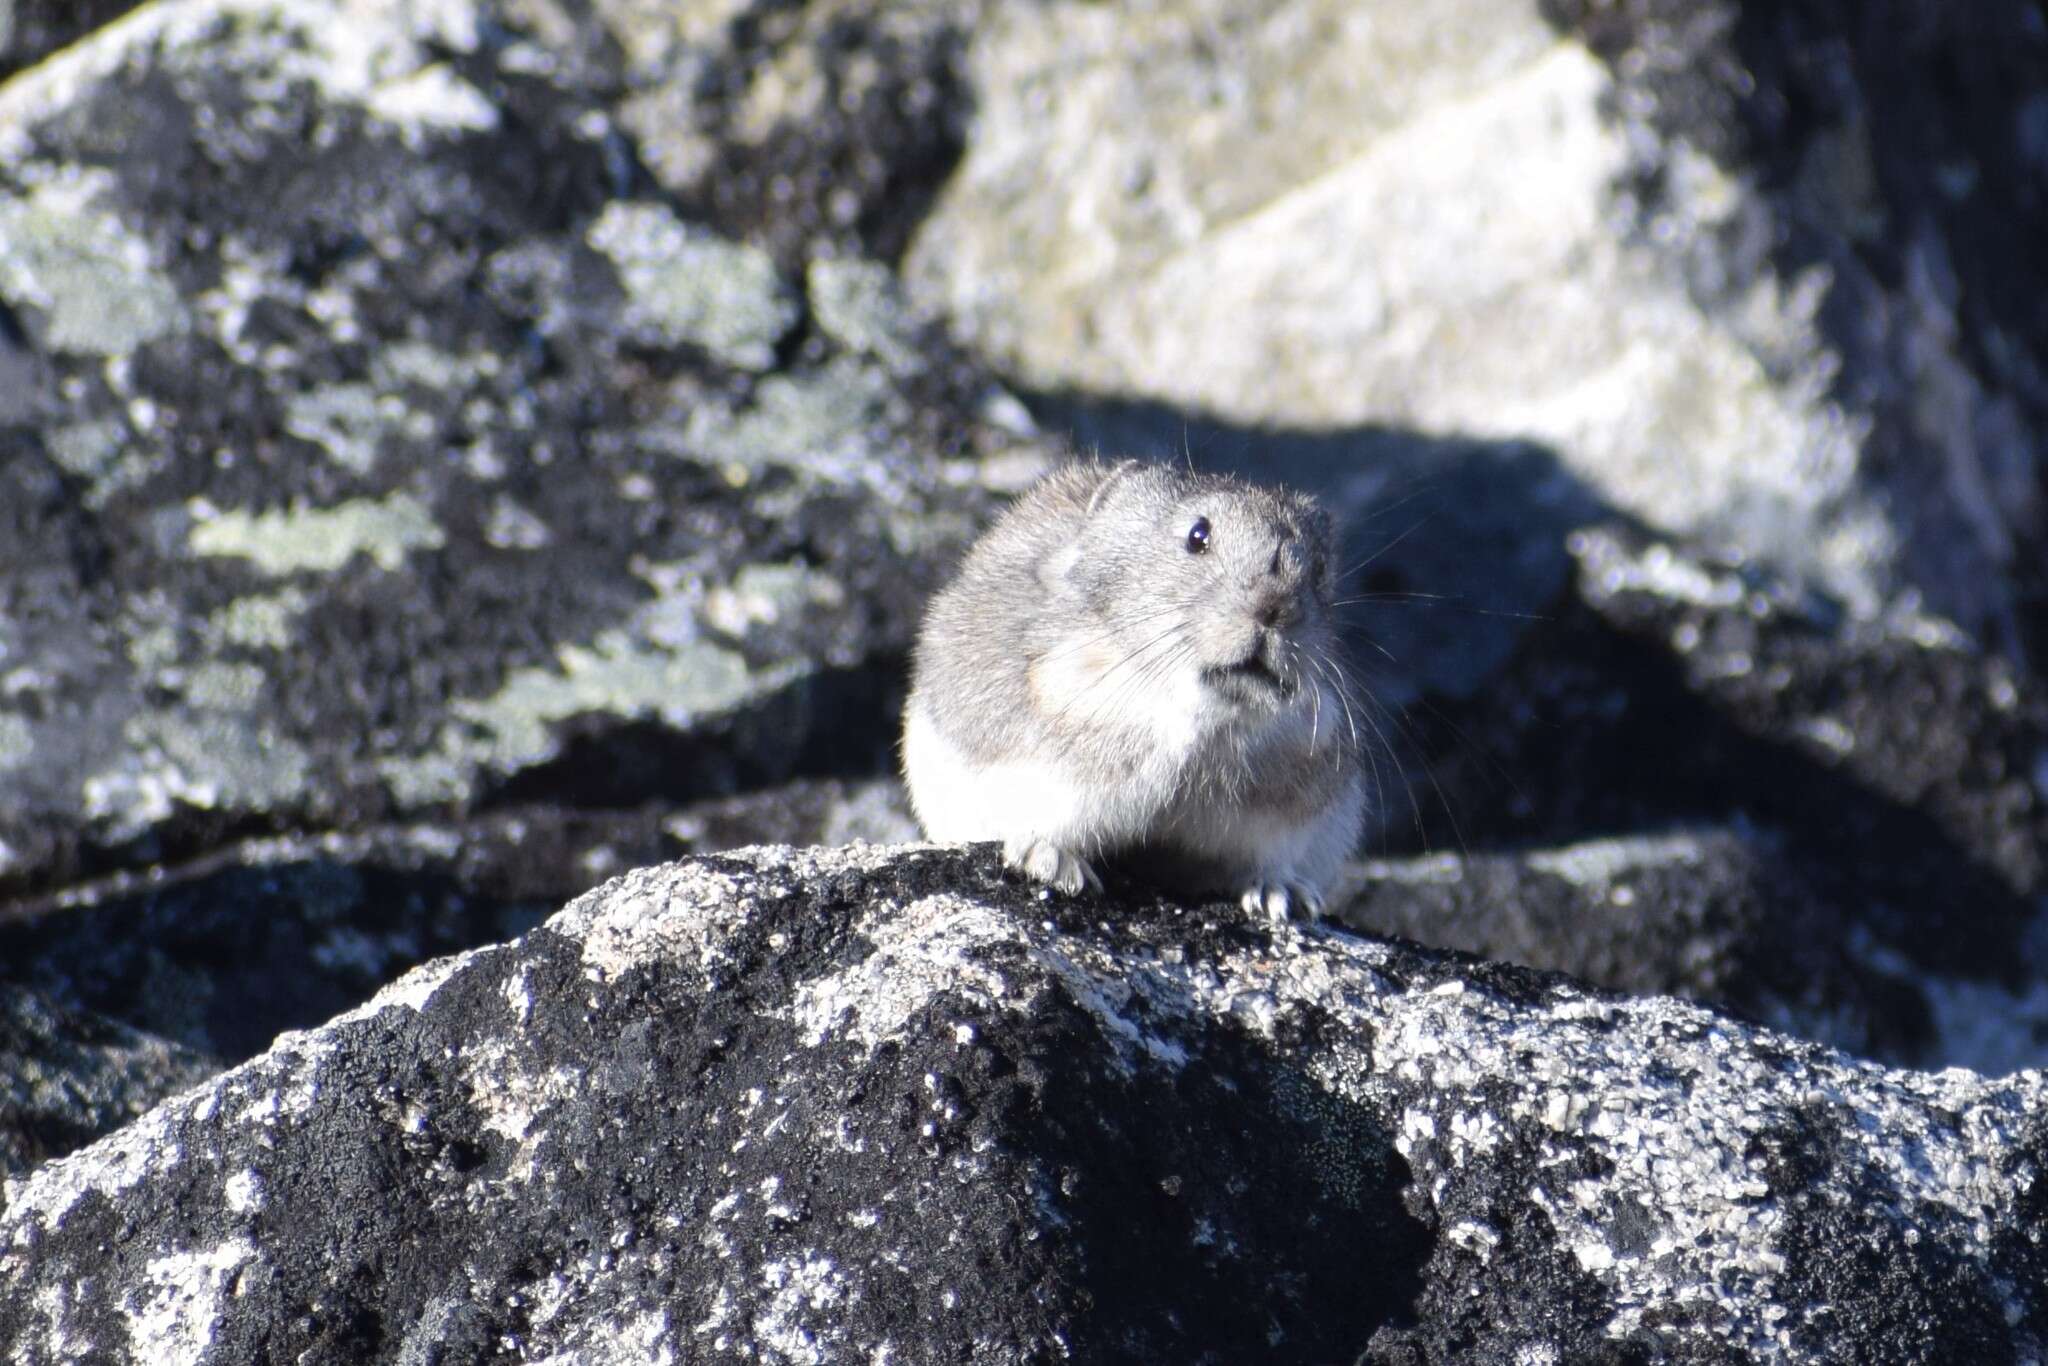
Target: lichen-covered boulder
445 452
454 453
881 1104
378 442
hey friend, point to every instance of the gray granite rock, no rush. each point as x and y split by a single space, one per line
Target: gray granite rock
1762 273
1885 163
1333 216
451 454
882 1104
418 501
67 1077
389 446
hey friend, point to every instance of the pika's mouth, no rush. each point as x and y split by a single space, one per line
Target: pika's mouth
1249 677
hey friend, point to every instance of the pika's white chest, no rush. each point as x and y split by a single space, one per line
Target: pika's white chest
1022 796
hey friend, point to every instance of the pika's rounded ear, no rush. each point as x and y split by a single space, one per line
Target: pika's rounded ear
1054 568
1112 475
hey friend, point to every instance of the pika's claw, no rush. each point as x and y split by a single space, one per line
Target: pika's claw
1278 901
1063 870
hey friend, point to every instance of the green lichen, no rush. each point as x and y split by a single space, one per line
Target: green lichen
85 449
261 621
615 674
685 284
922 534
83 270
429 367
223 685
765 594
348 421
224 763
17 742
106 456
796 420
433 97
323 539
624 672
353 420
153 643
513 526
857 304
202 759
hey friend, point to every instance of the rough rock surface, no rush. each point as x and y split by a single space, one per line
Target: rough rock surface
1738 791
452 453
1323 216
1887 162
1763 272
879 1104
380 442
67 1077
413 508
197 957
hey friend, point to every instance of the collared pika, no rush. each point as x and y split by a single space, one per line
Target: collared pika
1138 665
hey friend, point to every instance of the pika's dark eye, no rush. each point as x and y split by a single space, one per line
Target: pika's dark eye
1198 536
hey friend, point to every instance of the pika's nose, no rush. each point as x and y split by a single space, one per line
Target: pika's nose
1280 608
1279 593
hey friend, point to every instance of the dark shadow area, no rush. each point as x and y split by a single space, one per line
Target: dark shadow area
24 376
837 723
1230 1210
1451 544
222 963
109 1075
1606 736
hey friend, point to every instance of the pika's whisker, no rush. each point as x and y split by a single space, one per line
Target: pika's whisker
1413 528
1447 604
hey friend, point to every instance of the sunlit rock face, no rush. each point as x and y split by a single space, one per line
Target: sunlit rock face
879 1103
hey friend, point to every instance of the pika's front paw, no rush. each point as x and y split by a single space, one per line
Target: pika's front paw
1281 900
1063 870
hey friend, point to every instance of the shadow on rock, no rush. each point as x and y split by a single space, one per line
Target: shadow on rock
1322 1252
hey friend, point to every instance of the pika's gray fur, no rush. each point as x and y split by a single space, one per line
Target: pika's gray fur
1139 664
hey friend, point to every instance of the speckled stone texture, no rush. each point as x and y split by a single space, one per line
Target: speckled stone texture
454 452
418 502
67 1077
880 1104
391 446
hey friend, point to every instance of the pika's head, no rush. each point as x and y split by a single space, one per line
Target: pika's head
1208 573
